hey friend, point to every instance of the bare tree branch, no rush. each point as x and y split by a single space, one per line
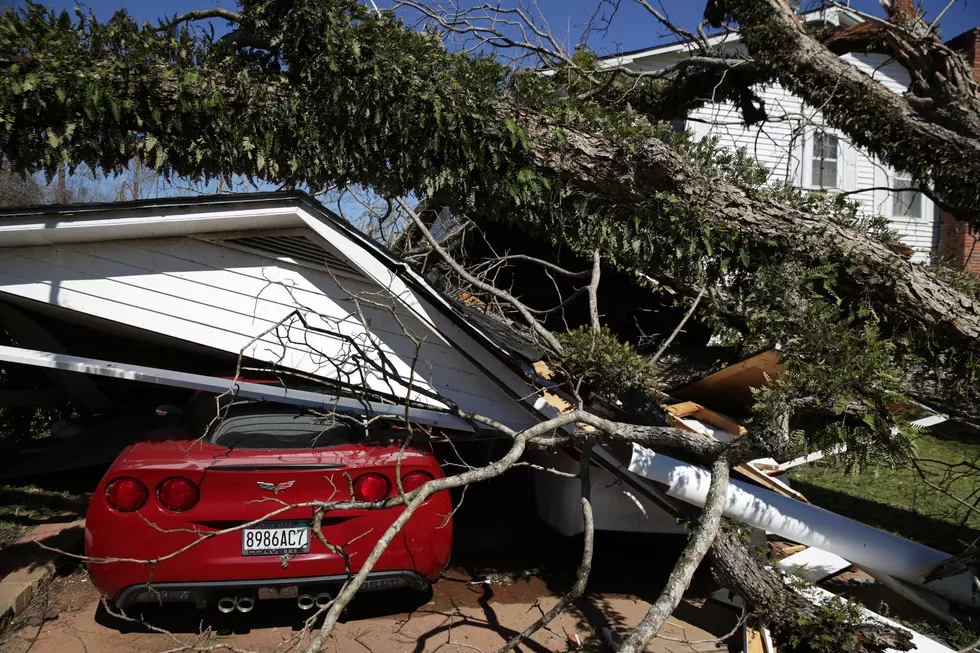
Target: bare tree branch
200 14
702 536
594 291
680 326
543 333
585 567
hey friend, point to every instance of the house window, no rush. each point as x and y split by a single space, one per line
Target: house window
823 170
905 203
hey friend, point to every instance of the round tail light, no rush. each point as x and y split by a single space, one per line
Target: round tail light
371 487
126 494
414 480
178 494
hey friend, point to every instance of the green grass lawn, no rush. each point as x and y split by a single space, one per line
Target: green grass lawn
898 500
24 506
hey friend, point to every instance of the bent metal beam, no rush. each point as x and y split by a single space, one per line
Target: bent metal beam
858 543
278 394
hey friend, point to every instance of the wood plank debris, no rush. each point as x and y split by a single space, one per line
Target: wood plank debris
694 417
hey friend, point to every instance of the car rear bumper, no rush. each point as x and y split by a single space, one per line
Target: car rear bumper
204 593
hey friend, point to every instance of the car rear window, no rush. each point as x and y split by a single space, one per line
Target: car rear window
263 427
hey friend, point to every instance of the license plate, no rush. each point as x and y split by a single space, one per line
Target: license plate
276 538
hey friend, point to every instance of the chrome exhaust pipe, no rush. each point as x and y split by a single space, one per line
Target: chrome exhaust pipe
322 599
245 603
226 604
305 602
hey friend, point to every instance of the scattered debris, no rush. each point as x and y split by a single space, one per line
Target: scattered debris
505 577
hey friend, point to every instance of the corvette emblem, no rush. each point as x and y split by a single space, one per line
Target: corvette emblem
275 489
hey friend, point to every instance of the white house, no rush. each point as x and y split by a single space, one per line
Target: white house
797 146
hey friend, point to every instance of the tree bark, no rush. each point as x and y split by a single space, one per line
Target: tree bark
788 614
600 168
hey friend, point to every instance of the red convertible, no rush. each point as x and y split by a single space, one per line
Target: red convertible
164 493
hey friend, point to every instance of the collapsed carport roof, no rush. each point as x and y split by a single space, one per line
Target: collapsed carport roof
491 346
40 226
51 224
476 337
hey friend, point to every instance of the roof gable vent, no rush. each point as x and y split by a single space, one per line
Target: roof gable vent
293 248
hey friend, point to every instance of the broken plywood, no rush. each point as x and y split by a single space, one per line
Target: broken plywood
733 385
685 414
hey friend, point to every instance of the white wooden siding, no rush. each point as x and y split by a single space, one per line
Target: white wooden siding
226 298
775 144
783 144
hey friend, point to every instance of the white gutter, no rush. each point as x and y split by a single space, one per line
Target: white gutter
322 401
831 15
52 229
859 543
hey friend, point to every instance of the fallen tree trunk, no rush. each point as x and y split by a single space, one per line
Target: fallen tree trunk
792 617
933 132
601 169
185 127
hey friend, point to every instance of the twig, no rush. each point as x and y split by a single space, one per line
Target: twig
670 339
702 536
932 25
585 567
712 640
594 291
972 647
546 335
676 29
181 646
200 14
543 263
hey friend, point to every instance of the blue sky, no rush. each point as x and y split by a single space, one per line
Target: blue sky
632 27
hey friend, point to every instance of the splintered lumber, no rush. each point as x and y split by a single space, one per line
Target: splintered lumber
694 417
753 641
690 415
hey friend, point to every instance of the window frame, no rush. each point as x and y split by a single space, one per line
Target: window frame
918 199
814 163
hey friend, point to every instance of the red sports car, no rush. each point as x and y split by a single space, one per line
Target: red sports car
162 493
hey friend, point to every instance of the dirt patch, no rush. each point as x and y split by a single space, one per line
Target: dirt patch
462 613
64 595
